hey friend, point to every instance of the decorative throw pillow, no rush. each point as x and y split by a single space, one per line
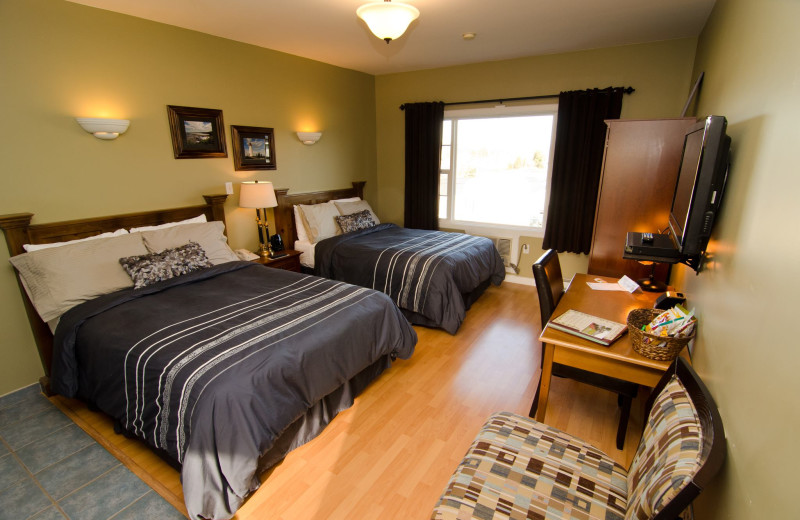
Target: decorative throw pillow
170 263
356 221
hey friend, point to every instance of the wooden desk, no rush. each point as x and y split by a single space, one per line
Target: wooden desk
618 360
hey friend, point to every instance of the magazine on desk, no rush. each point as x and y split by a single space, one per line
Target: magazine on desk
589 327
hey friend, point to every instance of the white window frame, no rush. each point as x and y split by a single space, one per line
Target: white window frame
482 228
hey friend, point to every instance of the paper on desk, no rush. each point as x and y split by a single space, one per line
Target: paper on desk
623 284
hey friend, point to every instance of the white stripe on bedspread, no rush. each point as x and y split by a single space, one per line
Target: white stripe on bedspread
403 260
246 328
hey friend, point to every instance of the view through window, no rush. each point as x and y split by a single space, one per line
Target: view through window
495 166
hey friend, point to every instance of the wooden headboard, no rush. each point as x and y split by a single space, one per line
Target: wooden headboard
18 231
284 214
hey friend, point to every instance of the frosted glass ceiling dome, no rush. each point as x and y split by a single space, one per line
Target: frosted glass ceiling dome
388 21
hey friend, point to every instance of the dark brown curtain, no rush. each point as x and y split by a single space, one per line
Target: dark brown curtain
423 149
577 164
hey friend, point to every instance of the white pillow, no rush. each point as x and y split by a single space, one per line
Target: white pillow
195 220
210 236
320 221
299 226
302 235
57 279
36 247
348 208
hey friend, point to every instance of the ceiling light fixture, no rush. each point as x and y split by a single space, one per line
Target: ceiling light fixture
388 21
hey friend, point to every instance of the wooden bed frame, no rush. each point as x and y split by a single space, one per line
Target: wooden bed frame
18 231
284 214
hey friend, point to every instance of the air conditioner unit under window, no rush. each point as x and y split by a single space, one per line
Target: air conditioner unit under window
503 246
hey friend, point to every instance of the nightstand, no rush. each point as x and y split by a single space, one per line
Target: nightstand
290 262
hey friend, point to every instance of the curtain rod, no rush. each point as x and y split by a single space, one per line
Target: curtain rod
626 90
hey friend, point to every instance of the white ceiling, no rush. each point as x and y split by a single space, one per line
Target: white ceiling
329 31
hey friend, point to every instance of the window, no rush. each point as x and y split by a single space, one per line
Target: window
495 167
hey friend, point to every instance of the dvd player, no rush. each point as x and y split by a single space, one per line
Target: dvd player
651 244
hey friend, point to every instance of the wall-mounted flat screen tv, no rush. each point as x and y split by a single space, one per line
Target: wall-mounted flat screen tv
701 181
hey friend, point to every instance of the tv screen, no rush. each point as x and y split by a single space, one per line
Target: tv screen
701 180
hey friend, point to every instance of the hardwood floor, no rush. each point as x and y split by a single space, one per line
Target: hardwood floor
390 455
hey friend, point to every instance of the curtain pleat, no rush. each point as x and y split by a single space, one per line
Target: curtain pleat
577 164
423 150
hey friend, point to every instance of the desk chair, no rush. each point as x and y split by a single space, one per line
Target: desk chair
550 287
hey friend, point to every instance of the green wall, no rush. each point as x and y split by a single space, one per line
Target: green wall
60 60
660 72
745 298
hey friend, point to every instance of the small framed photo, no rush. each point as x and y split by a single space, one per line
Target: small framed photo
196 132
253 148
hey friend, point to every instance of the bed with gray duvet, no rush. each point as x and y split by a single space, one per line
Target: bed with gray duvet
225 370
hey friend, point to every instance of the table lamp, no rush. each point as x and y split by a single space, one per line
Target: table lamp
650 283
260 195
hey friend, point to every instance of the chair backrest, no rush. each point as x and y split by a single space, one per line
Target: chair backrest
549 282
682 447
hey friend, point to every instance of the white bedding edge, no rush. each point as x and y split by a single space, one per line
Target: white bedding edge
306 249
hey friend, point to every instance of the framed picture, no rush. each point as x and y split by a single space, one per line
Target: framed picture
196 132
253 148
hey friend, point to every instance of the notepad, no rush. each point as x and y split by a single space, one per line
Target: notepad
589 327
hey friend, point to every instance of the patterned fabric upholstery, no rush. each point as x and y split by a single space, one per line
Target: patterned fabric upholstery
669 454
518 468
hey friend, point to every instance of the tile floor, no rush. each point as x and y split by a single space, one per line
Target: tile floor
51 469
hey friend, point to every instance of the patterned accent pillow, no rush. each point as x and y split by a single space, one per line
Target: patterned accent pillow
669 454
145 270
356 221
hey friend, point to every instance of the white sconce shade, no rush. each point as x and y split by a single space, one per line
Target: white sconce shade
309 137
103 128
257 195
388 21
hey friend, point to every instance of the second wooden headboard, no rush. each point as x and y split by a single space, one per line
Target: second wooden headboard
284 214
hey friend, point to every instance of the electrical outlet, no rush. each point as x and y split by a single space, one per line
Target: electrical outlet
229 188
526 248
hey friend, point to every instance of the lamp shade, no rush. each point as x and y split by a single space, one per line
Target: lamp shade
388 21
257 195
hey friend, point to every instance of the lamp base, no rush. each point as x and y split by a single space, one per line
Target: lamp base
650 285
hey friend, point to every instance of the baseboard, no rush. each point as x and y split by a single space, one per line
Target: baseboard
521 280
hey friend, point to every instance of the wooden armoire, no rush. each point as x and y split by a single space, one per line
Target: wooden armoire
640 167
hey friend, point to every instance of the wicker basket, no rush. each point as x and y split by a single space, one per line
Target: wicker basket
671 347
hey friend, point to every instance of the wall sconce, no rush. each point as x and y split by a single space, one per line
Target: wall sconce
103 128
309 137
